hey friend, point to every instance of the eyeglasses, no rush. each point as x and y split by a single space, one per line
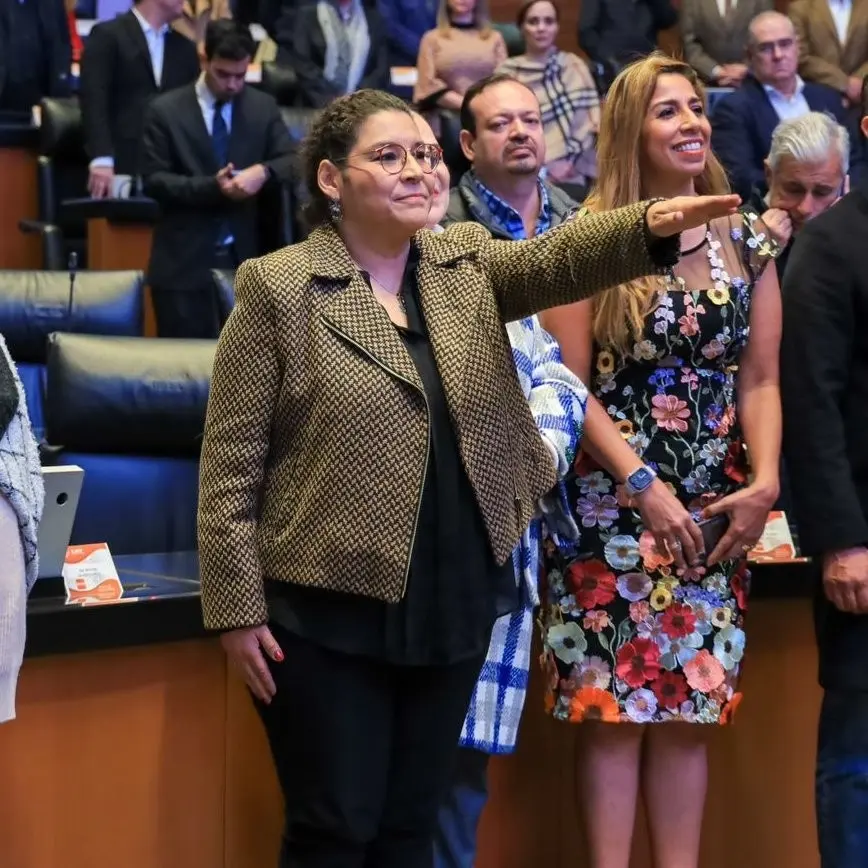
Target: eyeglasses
393 157
780 44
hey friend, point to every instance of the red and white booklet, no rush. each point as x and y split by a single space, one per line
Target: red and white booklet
776 545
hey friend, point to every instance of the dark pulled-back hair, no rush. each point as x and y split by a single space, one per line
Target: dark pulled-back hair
226 39
332 137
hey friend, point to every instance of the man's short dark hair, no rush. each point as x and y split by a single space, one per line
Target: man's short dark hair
228 40
468 119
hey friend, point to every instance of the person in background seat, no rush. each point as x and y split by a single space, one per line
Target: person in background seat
743 122
567 96
407 21
209 150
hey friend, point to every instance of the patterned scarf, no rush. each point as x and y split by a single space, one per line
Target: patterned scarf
348 44
9 397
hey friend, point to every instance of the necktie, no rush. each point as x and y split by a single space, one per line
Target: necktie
220 136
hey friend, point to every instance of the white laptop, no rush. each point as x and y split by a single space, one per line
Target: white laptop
62 491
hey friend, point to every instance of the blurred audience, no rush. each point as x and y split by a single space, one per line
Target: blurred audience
714 33
206 177
743 122
407 21
824 385
35 53
460 51
615 32
568 99
833 43
126 63
335 47
195 17
806 172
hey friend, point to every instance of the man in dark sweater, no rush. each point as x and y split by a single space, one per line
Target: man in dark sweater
824 386
35 53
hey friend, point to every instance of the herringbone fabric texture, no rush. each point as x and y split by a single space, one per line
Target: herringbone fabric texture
316 436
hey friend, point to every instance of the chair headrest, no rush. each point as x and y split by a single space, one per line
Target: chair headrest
130 396
61 134
280 81
33 304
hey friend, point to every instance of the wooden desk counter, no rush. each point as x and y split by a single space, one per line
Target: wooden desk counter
18 195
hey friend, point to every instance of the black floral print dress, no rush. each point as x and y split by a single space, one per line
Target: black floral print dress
626 635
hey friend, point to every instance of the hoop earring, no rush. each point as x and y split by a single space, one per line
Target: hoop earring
335 210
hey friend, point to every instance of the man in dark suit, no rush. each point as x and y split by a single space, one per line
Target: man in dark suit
743 122
824 386
126 63
209 149
35 53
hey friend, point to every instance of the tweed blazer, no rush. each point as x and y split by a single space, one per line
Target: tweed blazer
822 57
317 431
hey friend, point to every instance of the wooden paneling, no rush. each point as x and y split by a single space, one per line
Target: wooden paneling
18 201
112 246
116 760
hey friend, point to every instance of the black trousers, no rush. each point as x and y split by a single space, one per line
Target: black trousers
186 313
364 752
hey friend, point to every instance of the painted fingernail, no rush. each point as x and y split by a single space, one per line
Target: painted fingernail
278 656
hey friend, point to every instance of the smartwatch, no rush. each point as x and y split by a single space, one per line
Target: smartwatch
639 480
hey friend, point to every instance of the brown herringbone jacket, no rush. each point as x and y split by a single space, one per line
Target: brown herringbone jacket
317 431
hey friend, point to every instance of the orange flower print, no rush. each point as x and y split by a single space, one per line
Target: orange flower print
726 421
651 556
704 672
729 710
670 413
596 621
591 703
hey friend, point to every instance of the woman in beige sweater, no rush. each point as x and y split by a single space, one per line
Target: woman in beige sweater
462 49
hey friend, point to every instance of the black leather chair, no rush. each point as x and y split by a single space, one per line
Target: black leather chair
62 174
224 288
34 304
130 412
298 122
281 82
453 156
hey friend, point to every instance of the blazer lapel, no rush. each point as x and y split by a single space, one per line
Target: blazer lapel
352 312
200 137
239 135
823 15
450 302
138 44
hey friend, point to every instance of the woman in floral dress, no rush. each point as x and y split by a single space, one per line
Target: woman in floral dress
636 630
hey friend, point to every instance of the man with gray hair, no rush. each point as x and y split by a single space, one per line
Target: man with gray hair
742 122
806 173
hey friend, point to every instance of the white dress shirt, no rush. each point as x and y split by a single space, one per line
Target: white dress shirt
788 107
840 10
208 105
724 5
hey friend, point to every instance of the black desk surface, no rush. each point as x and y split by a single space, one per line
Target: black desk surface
136 209
18 132
161 604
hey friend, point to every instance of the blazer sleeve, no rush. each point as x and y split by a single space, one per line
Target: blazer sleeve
159 181
244 386
664 14
694 52
732 146
574 261
98 64
811 66
590 35
279 150
819 323
295 42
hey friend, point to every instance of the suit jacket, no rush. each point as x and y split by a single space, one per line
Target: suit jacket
301 45
117 83
822 58
824 388
57 44
743 122
711 39
316 436
179 168
616 32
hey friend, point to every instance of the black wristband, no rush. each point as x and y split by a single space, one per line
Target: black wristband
664 252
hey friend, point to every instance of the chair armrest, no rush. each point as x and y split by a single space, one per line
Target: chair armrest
52 242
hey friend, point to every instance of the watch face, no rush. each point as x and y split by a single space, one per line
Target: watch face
641 478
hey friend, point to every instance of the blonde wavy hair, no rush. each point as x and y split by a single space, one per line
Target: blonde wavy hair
481 19
619 313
